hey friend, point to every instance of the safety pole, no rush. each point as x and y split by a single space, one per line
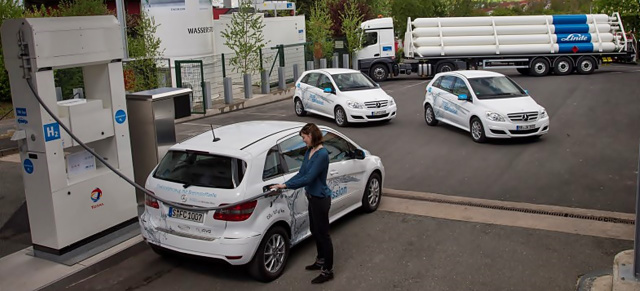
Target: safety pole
636 243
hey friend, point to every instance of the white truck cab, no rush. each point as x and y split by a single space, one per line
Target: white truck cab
378 53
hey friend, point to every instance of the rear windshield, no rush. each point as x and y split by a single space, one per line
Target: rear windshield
201 169
495 87
353 81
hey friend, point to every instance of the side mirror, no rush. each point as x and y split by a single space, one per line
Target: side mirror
328 90
463 97
526 91
359 154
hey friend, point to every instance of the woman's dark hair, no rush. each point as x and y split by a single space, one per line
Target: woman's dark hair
313 131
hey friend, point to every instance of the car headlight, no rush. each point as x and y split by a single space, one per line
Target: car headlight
355 105
543 114
494 116
391 102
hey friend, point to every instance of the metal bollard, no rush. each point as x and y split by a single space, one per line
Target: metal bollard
355 63
295 73
264 82
323 63
345 61
59 94
335 63
248 92
228 91
281 81
206 94
309 65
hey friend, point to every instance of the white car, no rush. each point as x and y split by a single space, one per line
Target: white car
487 104
242 164
348 96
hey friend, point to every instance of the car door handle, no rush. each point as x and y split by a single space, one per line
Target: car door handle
333 172
376 55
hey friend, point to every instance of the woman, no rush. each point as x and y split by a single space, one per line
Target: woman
313 177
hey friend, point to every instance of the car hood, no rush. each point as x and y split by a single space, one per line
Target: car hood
366 95
512 105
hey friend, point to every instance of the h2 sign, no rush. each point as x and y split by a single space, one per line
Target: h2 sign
51 131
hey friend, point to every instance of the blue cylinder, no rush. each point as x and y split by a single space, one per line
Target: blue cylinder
570 19
575 47
571 28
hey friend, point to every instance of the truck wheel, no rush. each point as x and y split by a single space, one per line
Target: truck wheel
585 65
563 66
523 71
539 67
271 256
445 67
379 73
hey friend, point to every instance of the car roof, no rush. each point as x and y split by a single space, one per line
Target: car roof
469 74
240 139
333 71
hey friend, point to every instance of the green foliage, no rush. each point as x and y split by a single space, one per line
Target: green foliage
71 8
351 20
381 8
144 48
8 9
414 9
244 37
462 8
629 11
319 30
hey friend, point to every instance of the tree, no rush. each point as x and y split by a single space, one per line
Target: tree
337 7
144 49
402 9
319 30
8 9
351 20
244 37
381 8
629 11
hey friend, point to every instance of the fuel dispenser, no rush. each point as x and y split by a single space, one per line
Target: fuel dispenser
74 202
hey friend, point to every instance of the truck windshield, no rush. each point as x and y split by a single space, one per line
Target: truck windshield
353 81
201 169
495 87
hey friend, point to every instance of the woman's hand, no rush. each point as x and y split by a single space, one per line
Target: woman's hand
278 186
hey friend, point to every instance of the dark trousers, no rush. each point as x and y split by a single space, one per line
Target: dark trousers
319 224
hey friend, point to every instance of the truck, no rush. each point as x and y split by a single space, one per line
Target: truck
535 45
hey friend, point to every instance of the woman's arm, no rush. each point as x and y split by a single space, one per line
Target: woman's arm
298 181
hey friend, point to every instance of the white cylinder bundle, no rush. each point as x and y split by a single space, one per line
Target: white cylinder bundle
502 39
500 20
477 50
500 30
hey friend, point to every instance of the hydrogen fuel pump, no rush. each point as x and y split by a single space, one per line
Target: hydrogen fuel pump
73 201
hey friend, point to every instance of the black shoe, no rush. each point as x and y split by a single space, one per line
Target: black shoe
313 267
323 277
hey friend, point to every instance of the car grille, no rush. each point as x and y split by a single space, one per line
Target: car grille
523 116
376 104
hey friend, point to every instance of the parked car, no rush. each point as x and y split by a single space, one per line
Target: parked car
347 96
241 163
487 104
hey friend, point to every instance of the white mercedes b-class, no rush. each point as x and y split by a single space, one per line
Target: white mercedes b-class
236 163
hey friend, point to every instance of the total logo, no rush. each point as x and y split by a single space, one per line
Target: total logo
96 194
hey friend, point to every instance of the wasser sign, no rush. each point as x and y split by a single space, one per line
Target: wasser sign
185 26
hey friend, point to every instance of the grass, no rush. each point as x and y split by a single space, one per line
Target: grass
4 108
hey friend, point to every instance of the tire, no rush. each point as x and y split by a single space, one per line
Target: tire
340 116
299 108
430 116
539 67
379 73
585 65
477 130
523 71
264 267
445 67
165 253
372 193
563 66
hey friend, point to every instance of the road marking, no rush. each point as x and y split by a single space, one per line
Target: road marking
420 203
199 124
412 85
267 114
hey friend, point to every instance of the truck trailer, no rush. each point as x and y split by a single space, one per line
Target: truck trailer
535 45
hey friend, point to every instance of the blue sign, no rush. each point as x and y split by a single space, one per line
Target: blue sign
28 166
21 111
22 121
289 5
51 131
574 37
121 116
386 48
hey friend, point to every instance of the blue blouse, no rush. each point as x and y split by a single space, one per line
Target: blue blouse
313 174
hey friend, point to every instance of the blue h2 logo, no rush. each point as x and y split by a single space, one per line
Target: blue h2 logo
51 131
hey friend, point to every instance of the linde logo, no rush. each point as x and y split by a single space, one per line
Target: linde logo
574 37
198 30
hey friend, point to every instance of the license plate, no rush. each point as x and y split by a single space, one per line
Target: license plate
376 113
185 214
525 127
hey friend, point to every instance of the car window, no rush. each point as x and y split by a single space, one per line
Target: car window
293 150
437 83
353 81
312 79
201 169
447 83
305 79
339 149
370 38
495 87
460 87
324 82
272 164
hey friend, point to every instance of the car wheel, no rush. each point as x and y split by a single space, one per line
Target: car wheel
372 193
340 117
271 257
563 66
445 67
379 73
430 116
523 71
299 108
585 65
477 131
539 67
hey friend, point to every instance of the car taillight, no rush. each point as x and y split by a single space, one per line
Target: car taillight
151 202
239 212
